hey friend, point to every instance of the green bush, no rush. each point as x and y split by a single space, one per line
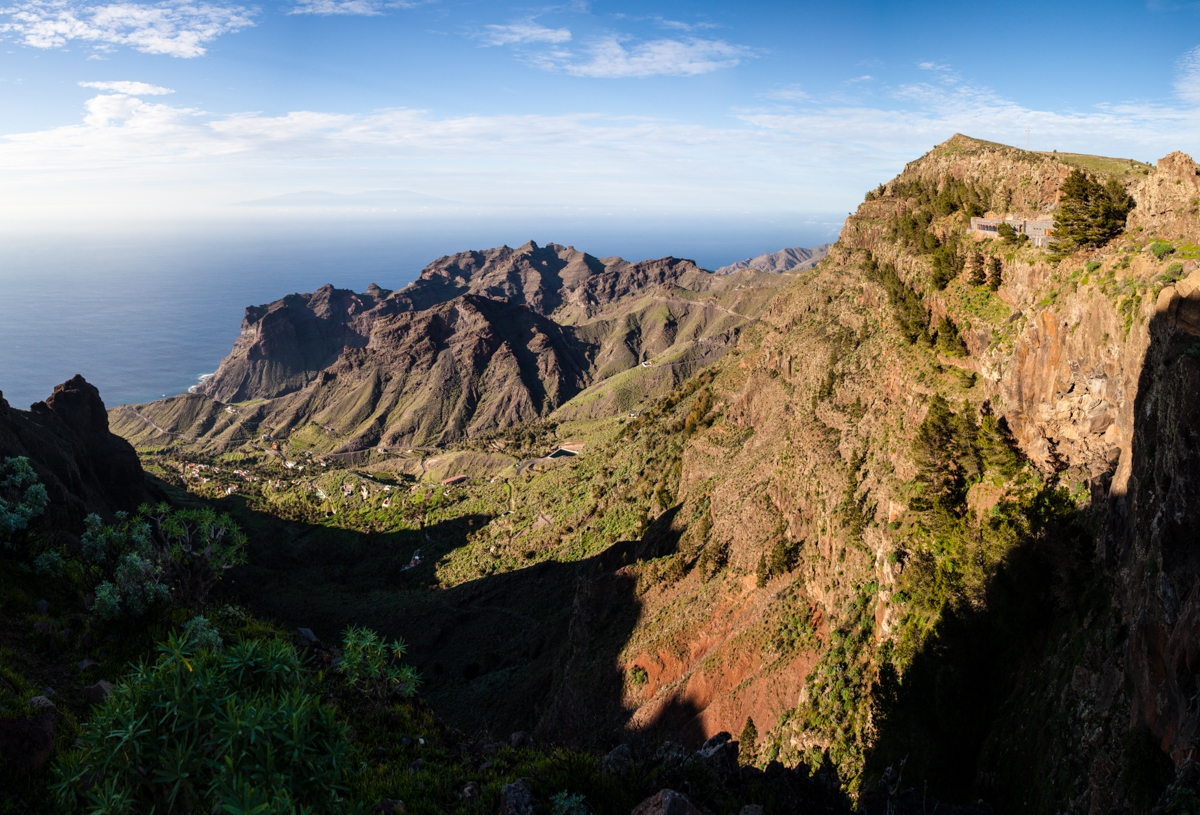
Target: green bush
22 497
567 803
1160 249
158 557
371 666
236 731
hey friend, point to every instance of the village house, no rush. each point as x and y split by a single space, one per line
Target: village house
1039 230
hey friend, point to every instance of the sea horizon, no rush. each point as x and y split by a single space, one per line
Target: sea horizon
144 313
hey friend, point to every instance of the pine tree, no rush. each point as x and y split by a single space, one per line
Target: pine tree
995 273
1090 213
977 269
748 741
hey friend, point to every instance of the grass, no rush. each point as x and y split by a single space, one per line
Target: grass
1102 165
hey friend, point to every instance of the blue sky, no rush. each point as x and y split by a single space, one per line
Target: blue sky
166 111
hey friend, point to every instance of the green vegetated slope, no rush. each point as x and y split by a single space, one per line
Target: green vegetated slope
875 529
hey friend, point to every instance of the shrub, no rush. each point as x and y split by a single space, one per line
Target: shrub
158 557
1160 249
638 675
22 497
237 731
371 666
567 803
1090 213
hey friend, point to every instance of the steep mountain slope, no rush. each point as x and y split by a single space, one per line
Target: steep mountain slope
785 260
480 342
933 507
946 475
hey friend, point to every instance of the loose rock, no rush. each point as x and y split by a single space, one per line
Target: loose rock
720 751
97 693
619 761
517 798
667 802
43 704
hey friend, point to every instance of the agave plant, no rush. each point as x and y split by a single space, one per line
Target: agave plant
371 666
234 731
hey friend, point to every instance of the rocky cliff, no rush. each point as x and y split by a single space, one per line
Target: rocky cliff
1005 630
84 467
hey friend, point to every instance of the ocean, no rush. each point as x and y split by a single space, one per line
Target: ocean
143 314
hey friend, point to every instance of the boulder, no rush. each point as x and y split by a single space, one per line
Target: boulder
390 806
517 798
519 739
667 802
619 760
670 752
27 744
720 752
97 693
43 704
470 793
751 809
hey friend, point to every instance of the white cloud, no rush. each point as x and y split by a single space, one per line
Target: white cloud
611 58
361 8
176 28
145 156
682 26
519 33
131 88
1187 80
791 93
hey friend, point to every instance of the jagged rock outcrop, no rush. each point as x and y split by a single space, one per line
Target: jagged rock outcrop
84 467
1169 199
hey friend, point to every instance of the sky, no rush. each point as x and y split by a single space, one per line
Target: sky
182 110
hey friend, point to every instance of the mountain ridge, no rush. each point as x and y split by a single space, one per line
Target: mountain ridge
796 259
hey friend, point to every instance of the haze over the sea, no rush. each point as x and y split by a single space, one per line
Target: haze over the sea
142 314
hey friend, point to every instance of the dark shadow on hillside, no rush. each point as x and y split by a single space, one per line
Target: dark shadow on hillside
533 649
998 703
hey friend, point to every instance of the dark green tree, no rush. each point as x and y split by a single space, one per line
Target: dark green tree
747 743
1089 213
995 273
949 340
